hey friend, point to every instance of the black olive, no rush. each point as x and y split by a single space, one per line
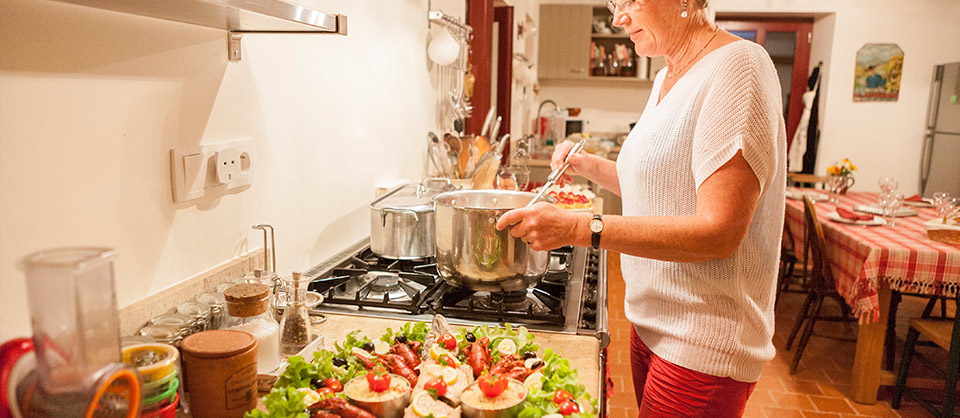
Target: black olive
368 346
338 361
470 337
400 338
536 364
317 383
529 355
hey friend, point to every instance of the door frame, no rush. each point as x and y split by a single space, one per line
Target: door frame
801 63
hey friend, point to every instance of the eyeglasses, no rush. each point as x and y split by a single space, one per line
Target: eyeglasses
621 5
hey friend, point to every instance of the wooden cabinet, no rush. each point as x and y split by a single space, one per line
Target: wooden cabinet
567 35
565 41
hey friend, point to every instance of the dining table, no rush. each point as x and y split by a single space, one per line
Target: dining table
870 262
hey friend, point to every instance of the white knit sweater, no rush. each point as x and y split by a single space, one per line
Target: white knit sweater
715 317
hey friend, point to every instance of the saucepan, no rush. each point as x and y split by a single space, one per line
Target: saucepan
472 253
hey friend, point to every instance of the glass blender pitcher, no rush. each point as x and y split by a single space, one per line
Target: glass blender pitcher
76 336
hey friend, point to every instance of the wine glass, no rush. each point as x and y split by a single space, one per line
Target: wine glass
834 184
891 203
505 179
888 184
940 200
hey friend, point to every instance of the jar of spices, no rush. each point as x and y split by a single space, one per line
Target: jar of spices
218 306
166 334
221 370
198 312
248 309
179 321
295 331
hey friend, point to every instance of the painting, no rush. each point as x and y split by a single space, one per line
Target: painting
877 77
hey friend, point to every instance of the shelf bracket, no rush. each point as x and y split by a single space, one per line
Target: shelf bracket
233 46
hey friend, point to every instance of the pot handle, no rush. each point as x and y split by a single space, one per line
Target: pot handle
383 214
422 187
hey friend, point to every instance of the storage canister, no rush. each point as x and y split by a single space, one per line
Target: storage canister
221 372
198 312
247 308
179 321
218 306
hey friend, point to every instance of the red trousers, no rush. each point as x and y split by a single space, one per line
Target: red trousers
665 389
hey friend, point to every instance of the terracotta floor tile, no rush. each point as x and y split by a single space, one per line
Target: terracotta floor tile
812 414
833 389
808 387
617 412
792 400
753 411
782 412
761 398
832 404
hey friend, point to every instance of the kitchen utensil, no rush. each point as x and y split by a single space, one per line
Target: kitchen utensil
495 129
76 338
455 146
487 123
402 220
495 153
485 175
556 174
472 253
443 48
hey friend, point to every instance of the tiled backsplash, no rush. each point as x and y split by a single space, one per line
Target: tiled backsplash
137 314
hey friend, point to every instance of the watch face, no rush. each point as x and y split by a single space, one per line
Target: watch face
596 225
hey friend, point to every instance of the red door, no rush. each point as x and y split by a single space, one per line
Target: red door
788 43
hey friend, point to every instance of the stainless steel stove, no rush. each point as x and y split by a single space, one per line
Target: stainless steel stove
571 298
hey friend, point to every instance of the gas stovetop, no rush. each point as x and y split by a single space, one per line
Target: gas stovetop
358 282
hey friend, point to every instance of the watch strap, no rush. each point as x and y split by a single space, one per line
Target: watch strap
595 236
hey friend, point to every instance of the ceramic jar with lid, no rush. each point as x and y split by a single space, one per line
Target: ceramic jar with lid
221 373
248 310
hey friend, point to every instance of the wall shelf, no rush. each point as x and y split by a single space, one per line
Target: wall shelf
237 17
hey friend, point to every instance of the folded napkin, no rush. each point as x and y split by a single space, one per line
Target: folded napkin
914 198
848 214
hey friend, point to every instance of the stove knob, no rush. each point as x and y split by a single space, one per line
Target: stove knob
589 314
591 303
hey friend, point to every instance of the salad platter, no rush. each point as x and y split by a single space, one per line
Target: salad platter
423 370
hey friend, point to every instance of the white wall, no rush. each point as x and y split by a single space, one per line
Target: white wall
92 101
882 138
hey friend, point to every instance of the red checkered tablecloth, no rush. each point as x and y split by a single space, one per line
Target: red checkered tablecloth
860 256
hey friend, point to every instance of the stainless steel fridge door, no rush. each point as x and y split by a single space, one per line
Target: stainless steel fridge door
944 165
947 118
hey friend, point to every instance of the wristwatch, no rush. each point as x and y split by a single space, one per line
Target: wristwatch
596 227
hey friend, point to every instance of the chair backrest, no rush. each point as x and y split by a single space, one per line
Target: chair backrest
809 180
821 276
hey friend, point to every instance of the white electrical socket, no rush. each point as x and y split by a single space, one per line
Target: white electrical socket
207 169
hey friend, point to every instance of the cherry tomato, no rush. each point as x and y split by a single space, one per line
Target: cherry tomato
437 383
378 382
325 392
333 384
568 407
492 385
448 361
448 341
561 395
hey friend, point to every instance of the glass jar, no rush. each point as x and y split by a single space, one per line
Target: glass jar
183 323
166 334
135 340
218 306
248 310
265 278
221 289
295 331
198 312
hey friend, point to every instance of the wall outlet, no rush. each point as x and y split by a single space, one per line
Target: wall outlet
210 169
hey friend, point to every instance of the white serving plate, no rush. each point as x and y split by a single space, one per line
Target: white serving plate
876 221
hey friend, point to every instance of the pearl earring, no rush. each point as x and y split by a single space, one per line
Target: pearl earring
684 14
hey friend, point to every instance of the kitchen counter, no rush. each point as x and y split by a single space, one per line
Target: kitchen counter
582 351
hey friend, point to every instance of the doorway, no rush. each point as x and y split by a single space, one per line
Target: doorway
787 40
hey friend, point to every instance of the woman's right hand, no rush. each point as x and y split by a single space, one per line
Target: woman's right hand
577 162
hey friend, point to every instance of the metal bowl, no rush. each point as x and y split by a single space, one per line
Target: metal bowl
508 411
388 408
473 254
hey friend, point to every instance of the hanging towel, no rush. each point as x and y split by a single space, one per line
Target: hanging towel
798 147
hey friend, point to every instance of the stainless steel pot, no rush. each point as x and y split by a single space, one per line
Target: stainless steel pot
401 221
472 254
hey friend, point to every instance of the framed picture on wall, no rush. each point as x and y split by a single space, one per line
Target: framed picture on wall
877 76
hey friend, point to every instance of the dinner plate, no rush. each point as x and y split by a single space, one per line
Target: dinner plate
925 203
876 221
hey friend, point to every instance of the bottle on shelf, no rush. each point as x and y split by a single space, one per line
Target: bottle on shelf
613 67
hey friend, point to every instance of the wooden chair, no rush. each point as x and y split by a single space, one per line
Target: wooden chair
807 180
821 287
940 332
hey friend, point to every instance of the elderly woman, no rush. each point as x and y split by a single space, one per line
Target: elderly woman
702 177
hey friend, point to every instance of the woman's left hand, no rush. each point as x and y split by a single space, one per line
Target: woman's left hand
542 226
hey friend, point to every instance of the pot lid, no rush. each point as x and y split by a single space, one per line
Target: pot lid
411 197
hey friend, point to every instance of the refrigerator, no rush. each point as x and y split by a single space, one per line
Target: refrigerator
940 156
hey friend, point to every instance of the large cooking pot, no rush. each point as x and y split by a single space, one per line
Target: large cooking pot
401 221
473 254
